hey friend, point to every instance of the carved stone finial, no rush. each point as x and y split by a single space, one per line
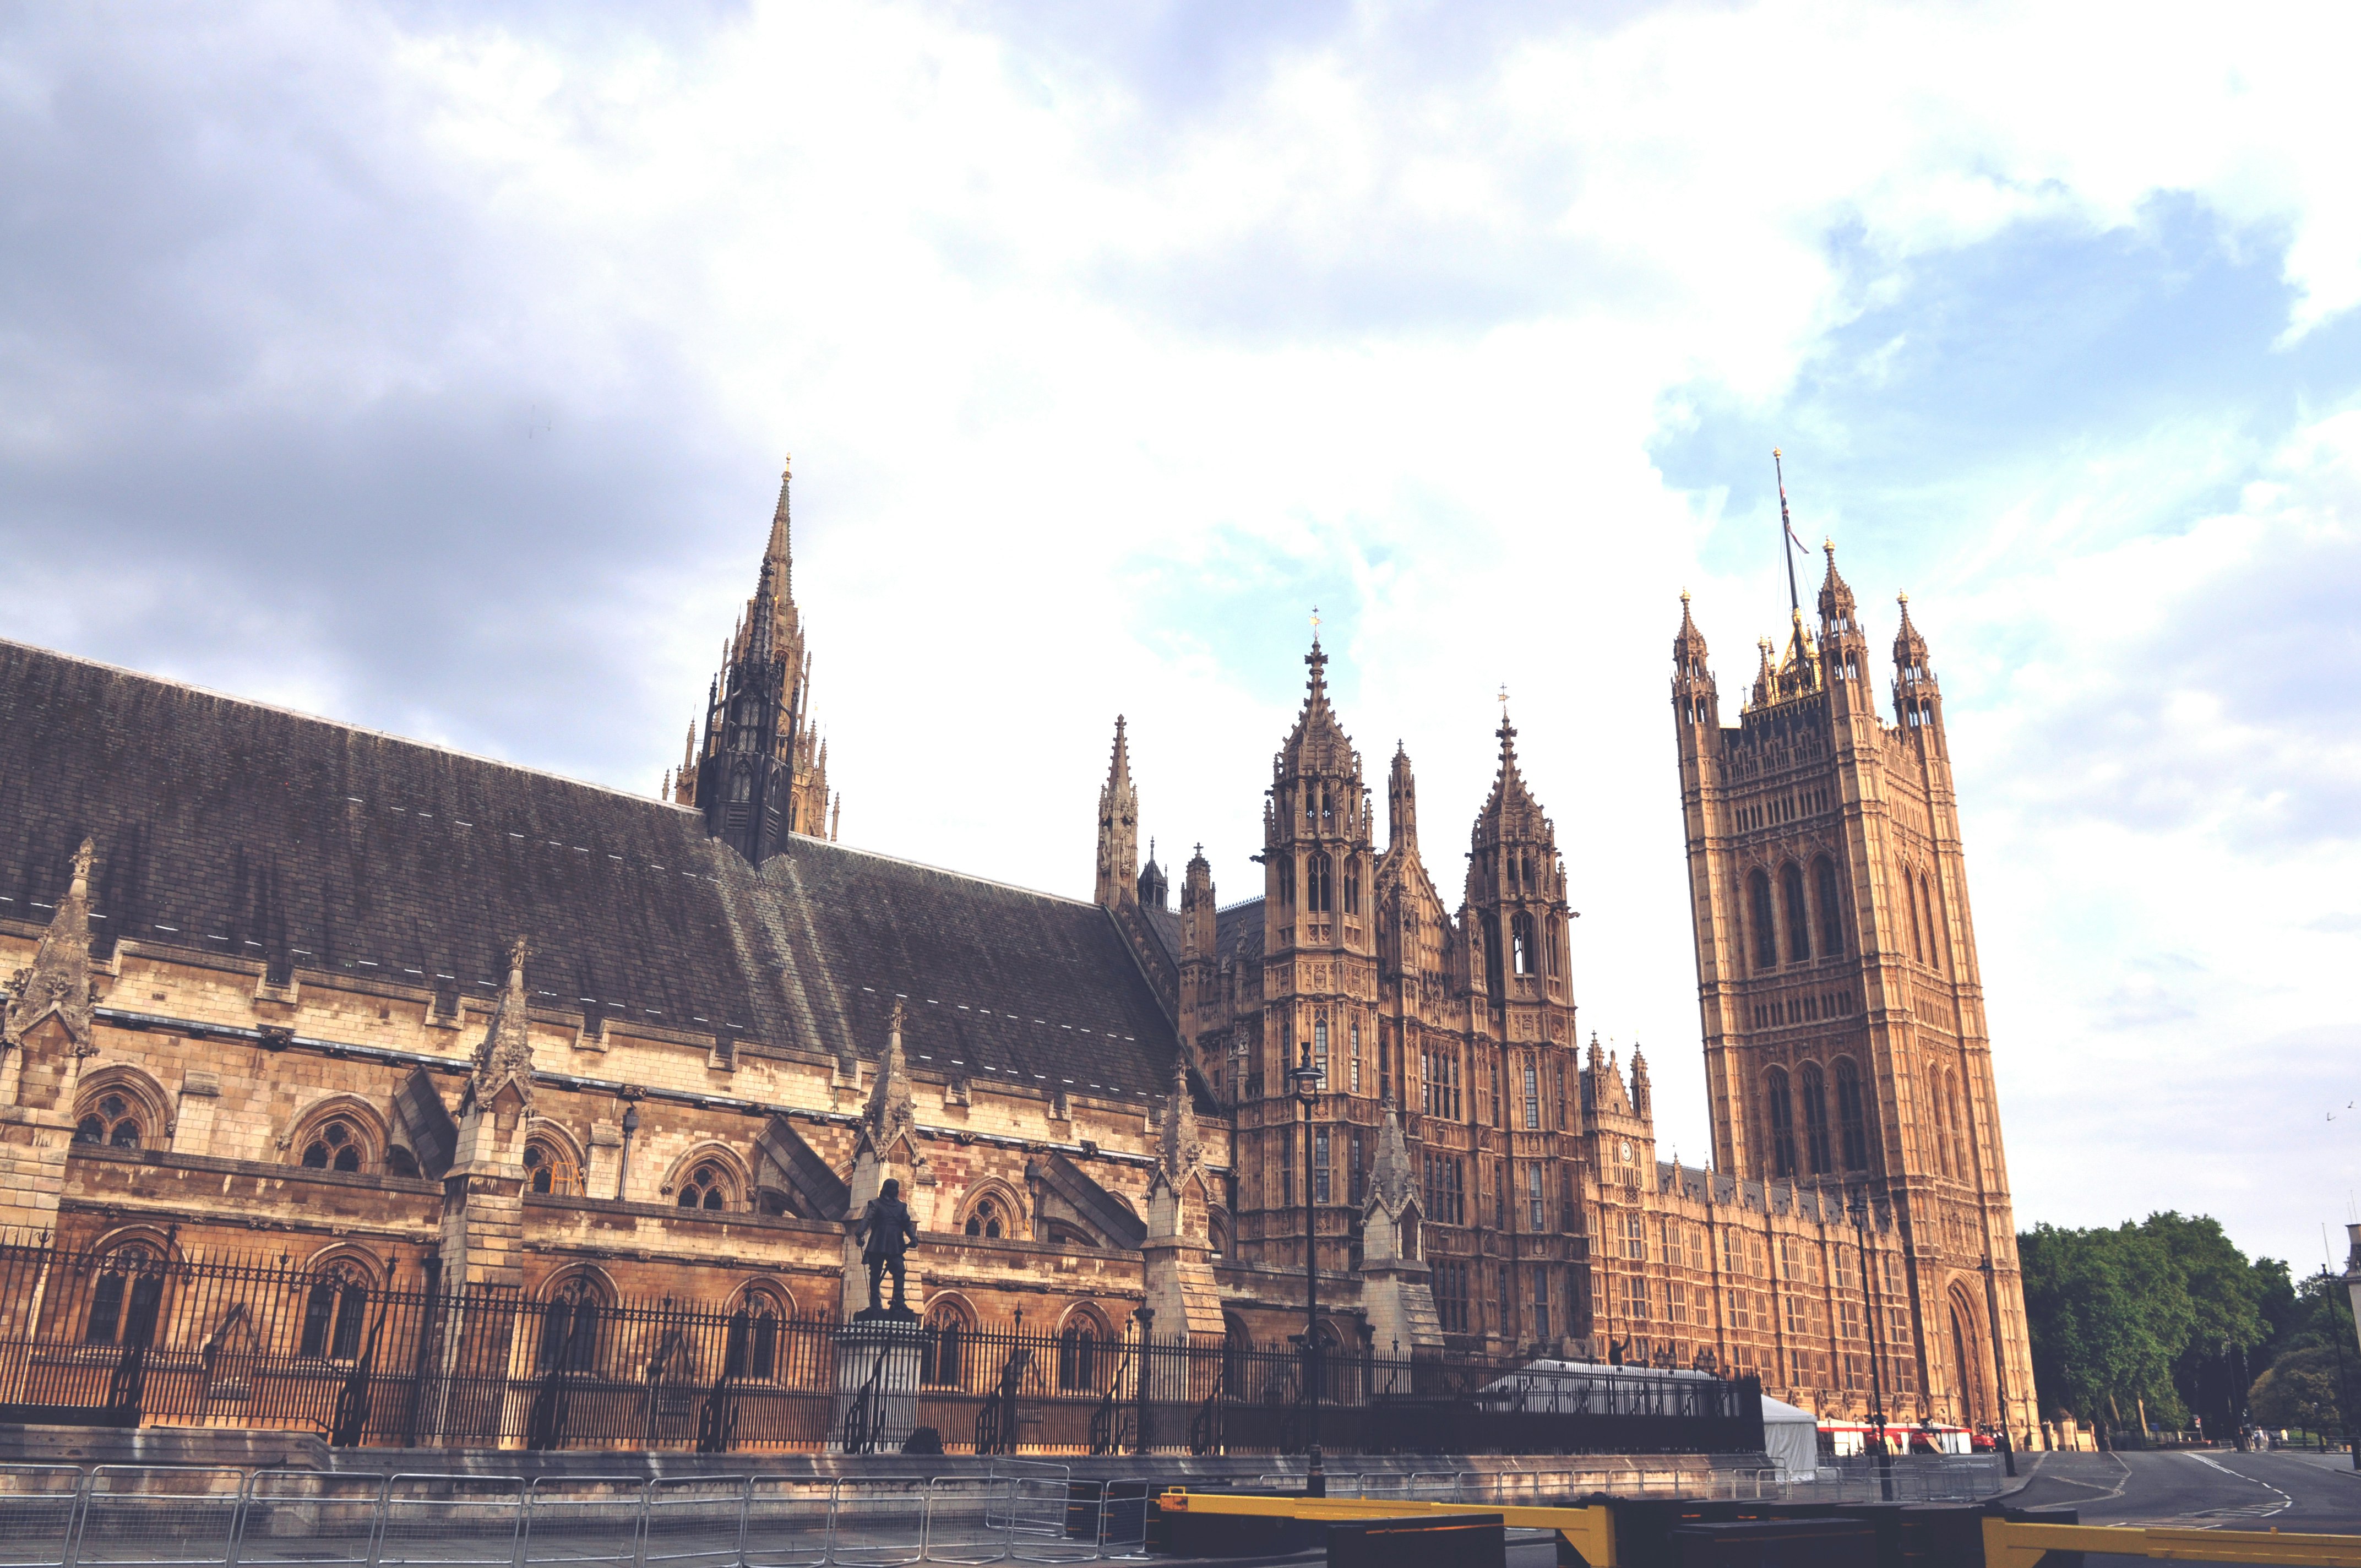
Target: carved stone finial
1393 1180
57 984
891 1116
503 1061
1178 1146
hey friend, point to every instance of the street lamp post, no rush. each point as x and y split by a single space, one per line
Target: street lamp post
1999 1364
1859 1207
1306 1079
623 1160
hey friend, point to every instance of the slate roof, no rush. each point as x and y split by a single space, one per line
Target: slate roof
1239 923
232 827
1165 925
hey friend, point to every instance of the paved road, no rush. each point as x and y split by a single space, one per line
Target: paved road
2220 1489
2213 1489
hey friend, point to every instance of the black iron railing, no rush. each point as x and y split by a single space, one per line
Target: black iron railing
139 1333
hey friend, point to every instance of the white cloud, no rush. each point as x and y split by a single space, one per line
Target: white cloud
1092 395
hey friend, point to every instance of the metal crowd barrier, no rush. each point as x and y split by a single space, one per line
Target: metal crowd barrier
156 1517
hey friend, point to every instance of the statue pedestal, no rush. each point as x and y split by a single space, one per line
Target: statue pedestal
877 1357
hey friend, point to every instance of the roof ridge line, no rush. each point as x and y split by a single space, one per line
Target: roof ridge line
801 840
349 727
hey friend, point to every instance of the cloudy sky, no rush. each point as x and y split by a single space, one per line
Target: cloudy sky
430 367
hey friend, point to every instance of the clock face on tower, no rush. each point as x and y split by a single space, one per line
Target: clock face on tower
1627 1151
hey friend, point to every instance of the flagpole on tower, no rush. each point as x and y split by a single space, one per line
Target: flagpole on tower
1788 546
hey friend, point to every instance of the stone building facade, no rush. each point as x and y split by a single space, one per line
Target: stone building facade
371 1006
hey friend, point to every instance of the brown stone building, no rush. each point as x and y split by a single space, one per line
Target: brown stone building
389 1013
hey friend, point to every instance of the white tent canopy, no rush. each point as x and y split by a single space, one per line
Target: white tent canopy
1790 1437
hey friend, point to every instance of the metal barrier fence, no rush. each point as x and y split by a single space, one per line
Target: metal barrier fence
153 1517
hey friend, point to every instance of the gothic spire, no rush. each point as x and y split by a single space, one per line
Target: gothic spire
1909 647
1688 642
1318 739
58 983
1118 846
504 1060
1402 803
1177 1145
1837 610
776 556
1393 1180
890 1115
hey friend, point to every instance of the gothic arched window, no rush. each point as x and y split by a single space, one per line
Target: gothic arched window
985 1221
1318 892
334 1146
1824 881
1910 897
1815 1120
944 1356
1555 961
112 1121
548 1167
1799 918
1758 911
569 1325
1352 884
751 1349
333 1312
1520 942
707 1185
1959 1126
1853 1118
1934 927
125 1298
1078 1355
1942 1128
1782 1134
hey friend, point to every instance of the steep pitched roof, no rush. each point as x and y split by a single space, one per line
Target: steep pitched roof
235 828
1238 932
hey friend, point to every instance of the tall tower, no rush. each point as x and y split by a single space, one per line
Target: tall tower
1514 920
1118 830
1319 988
1843 1022
761 772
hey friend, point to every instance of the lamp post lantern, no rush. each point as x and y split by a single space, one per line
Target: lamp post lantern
2000 1364
1306 1080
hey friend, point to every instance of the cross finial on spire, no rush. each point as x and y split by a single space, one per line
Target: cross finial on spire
1315 626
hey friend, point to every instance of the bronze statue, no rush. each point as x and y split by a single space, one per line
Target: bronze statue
886 1231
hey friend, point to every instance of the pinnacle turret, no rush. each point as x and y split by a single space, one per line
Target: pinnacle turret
756 781
1401 804
503 1060
1118 846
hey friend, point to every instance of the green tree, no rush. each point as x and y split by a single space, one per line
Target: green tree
2108 1314
2312 1359
2227 1297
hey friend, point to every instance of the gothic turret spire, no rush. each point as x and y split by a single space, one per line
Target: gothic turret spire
1401 804
1118 848
503 1062
58 983
1917 699
755 783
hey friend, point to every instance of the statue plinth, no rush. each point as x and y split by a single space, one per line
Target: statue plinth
878 1356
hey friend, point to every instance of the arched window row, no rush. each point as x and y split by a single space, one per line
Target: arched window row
111 1120
1802 909
1834 1137
122 1108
